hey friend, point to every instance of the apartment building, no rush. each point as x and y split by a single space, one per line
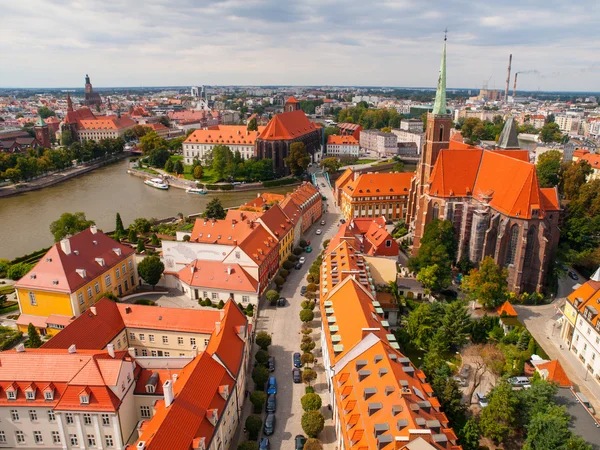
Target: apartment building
369 236
411 131
376 195
342 146
71 277
308 200
200 143
281 228
350 129
384 144
592 158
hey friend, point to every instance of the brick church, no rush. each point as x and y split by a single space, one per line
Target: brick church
282 131
492 197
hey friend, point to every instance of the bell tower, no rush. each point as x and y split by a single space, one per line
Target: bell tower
42 133
437 137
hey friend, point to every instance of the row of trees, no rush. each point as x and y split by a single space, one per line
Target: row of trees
370 118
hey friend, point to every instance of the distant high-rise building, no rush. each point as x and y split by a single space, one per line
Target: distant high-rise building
91 98
194 91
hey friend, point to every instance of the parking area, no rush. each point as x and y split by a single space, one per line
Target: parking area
582 423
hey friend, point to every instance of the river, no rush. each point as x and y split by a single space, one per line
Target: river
25 219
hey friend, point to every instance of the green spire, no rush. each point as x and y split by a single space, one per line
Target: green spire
439 107
40 122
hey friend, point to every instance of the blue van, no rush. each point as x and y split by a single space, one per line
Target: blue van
272 386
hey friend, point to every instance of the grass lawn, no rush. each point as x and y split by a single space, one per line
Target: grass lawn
366 161
7 289
148 170
207 178
9 307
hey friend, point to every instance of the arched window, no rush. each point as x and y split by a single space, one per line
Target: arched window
530 246
435 211
511 253
441 133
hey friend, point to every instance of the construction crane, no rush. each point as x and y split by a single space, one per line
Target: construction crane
486 83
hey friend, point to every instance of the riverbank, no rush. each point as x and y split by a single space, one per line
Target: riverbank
59 177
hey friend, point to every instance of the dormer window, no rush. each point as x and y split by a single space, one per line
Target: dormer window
49 396
84 399
11 395
30 395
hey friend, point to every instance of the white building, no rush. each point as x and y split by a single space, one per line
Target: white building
200 143
411 132
342 146
384 144
569 123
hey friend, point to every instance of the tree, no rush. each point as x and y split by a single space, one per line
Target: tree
69 224
198 172
252 124
140 246
423 322
331 164
550 132
119 229
307 358
398 167
169 166
132 235
165 121
221 155
13 174
450 397
260 376
151 269
306 315
151 142
483 358
307 347
574 177
488 285
66 138
548 168
154 240
298 158
535 400
313 444
247 445
178 167
18 270
311 402
258 399
499 418
279 281
214 210
272 296
159 157
308 376
311 287
262 356
434 277
470 435
313 423
253 425
34 338
263 339
456 324
44 112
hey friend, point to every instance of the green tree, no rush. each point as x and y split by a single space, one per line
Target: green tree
258 399
260 376
423 322
470 435
313 444
165 121
214 210
142 225
450 397
549 430
18 270
44 112
311 402
548 168
151 141
159 157
66 137
119 229
550 132
252 124
262 356
298 158
221 156
434 277
198 172
13 174
499 418
574 177
253 425
140 246
456 324
151 269
247 445
307 358
307 347
313 423
331 165
69 224
154 240
169 166
178 167
488 285
132 235
535 400
263 339
34 338
308 376
272 296
306 315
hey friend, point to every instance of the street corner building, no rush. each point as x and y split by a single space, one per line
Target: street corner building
492 197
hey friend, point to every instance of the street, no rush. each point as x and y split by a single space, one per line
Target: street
283 323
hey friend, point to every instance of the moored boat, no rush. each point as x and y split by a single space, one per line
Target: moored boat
157 183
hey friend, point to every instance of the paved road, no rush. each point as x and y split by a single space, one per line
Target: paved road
283 323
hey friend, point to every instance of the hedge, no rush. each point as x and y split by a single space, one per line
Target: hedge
10 339
31 257
217 187
280 182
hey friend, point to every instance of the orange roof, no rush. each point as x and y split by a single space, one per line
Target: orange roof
225 232
161 376
592 158
290 209
91 255
287 126
215 274
225 135
258 245
334 139
106 123
555 373
275 221
522 155
549 197
227 342
344 178
586 298
292 99
156 126
378 184
242 215
507 310
508 184
265 198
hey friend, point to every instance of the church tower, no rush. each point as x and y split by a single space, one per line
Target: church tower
42 133
291 105
437 137
88 85
69 102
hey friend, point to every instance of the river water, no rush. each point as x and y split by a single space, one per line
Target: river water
25 219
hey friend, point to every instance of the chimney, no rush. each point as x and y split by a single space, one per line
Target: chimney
217 327
141 445
72 348
111 350
65 245
174 377
508 77
93 310
515 86
228 270
94 229
20 348
168 391
131 352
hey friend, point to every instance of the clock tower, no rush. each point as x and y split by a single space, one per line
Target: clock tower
42 133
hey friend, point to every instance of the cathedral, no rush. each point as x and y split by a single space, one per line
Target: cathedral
492 197
91 98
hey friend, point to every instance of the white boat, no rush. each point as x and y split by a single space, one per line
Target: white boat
158 183
200 191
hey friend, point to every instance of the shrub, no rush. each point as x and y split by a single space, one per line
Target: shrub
306 338
303 243
263 339
293 258
272 296
260 376
221 304
297 251
311 287
222 187
288 265
308 304
326 243
309 390
306 330
262 356
258 399
310 278
186 238
312 444
307 358
308 376
307 347
284 273
311 402
248 445
311 296
306 315
312 423
145 301
279 281
18 270
253 425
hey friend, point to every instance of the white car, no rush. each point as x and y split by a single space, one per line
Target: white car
318 231
302 260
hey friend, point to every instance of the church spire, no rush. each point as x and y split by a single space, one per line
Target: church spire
69 103
439 107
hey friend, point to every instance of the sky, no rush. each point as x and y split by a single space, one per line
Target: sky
555 44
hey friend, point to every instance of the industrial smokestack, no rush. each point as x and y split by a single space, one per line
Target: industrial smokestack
515 86
508 78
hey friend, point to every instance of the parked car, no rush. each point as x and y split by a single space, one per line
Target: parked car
323 197
269 427
300 441
303 290
308 249
302 260
322 222
584 401
281 301
297 375
342 220
271 403
481 399
519 381
298 266
272 386
464 371
271 364
564 267
297 362
573 276
460 381
318 232
264 444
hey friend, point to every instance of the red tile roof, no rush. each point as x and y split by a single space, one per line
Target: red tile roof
106 123
215 274
58 272
227 342
225 134
378 184
226 232
175 319
258 244
341 140
275 220
555 373
287 126
292 99
507 310
162 375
